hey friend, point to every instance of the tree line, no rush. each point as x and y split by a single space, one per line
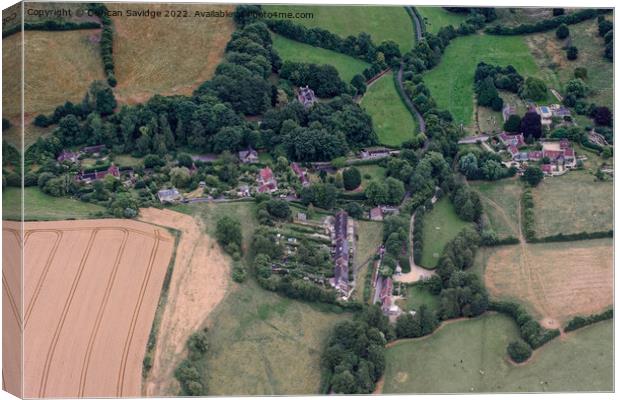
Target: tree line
547 24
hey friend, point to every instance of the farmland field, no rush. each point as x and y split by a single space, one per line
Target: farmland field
290 50
573 203
90 292
258 340
440 226
12 308
382 23
500 202
42 207
470 356
391 119
199 281
436 18
451 82
169 56
60 67
555 281
551 58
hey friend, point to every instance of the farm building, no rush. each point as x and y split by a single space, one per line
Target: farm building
169 195
94 150
88 177
249 156
306 96
380 152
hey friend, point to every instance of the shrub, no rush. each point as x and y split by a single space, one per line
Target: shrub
519 351
579 322
572 53
562 32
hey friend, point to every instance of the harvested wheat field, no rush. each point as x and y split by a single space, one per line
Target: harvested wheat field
199 282
556 281
91 288
168 55
11 308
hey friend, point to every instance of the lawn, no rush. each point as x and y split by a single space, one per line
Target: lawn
42 207
436 18
290 50
125 160
440 226
549 54
555 281
452 82
500 201
263 344
573 203
391 119
184 55
470 356
417 296
382 23
370 173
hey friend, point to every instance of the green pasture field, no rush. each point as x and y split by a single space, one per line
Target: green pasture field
452 81
39 206
261 343
470 356
572 203
391 119
549 54
382 23
500 201
440 226
436 18
290 50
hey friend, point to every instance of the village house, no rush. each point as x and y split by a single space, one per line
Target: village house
66 155
301 174
266 181
545 115
94 150
169 196
515 140
341 253
388 306
88 177
306 96
249 156
380 152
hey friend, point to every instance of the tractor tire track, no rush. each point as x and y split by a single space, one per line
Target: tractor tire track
12 303
100 312
134 320
65 312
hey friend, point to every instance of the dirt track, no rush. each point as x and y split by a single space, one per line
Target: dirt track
90 292
199 282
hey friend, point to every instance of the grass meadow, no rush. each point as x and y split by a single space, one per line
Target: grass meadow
548 52
391 119
263 344
382 23
42 207
440 226
470 356
436 18
417 296
370 173
500 202
169 56
452 81
573 203
291 50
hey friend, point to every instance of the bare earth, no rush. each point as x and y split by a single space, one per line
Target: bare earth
555 280
91 288
11 308
199 282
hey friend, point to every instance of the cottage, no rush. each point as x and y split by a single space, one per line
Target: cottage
94 150
69 156
169 195
249 156
267 182
88 177
301 174
340 281
306 96
512 140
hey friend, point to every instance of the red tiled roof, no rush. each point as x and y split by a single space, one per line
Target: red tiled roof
546 168
266 174
535 155
569 153
553 154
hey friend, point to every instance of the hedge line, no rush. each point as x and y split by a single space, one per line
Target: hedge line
560 237
404 98
546 24
105 44
580 322
414 13
527 204
51 26
531 331
505 241
418 236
